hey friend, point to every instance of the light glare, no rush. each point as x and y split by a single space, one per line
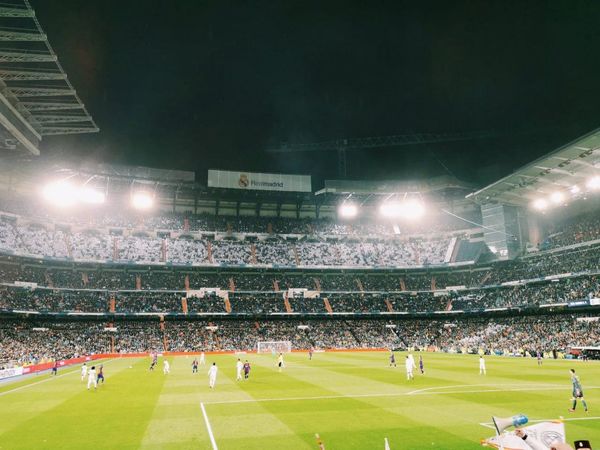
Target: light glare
91 195
540 204
142 200
60 193
557 197
348 210
593 183
409 209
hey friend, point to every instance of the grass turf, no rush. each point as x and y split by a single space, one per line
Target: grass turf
353 400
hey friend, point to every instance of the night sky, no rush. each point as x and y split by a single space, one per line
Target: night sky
195 84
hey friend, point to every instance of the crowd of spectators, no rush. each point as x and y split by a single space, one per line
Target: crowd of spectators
34 239
530 295
26 342
577 229
108 217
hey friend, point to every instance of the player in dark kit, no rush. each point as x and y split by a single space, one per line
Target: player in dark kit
421 365
55 368
246 370
195 366
100 375
577 392
392 359
310 353
154 361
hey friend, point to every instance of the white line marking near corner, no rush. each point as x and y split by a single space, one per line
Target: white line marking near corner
209 428
44 380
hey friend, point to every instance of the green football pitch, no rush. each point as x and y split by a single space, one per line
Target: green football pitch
352 400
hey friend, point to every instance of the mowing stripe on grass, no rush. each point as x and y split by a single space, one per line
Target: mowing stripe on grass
402 394
209 428
39 382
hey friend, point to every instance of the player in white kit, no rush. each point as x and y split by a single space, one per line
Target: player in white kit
84 370
166 367
212 375
202 360
238 370
409 364
481 366
92 378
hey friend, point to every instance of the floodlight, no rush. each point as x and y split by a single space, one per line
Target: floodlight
557 197
593 183
540 204
390 209
142 200
60 193
574 189
408 209
348 210
413 209
91 195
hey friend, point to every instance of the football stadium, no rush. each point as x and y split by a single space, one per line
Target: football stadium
298 225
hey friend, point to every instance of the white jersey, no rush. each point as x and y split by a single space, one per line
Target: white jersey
212 372
92 378
202 358
239 366
84 370
166 366
481 363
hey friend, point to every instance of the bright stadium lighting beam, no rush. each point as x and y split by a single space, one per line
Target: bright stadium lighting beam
557 197
540 204
142 200
91 196
348 210
413 209
60 193
391 209
593 183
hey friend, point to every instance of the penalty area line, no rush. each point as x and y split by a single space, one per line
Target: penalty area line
208 427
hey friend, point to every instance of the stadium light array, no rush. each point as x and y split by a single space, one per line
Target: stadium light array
142 200
60 193
557 197
540 204
348 210
91 196
593 183
63 193
408 209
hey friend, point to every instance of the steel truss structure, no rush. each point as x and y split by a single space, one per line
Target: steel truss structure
36 97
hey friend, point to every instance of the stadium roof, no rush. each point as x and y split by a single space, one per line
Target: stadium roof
571 165
36 96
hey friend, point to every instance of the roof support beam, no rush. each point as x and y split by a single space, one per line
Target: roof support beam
26 57
48 131
30 75
60 118
18 36
16 12
50 106
39 92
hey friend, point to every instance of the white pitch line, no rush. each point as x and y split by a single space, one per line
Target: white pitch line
333 397
42 381
38 382
437 388
209 428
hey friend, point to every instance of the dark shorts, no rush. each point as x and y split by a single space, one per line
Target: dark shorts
577 393
279 364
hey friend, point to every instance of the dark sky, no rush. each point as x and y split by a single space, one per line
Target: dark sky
198 84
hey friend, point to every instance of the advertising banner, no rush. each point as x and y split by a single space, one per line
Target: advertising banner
259 181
